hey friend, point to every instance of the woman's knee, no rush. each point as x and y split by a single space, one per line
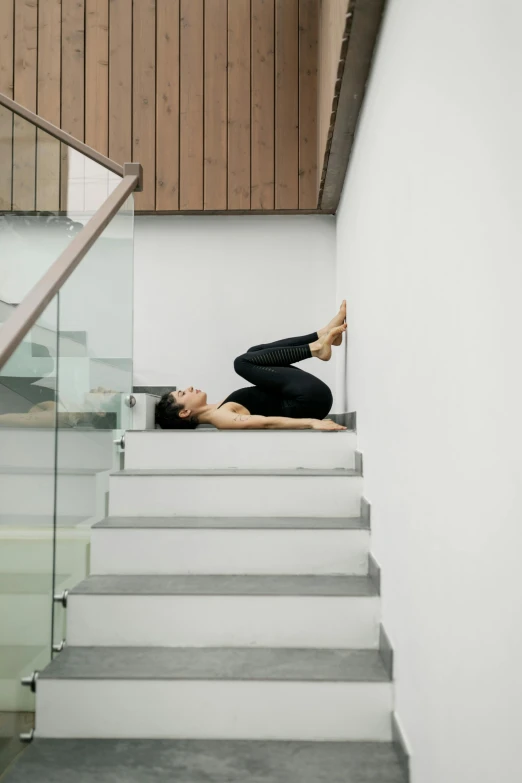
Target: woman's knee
322 400
326 400
241 364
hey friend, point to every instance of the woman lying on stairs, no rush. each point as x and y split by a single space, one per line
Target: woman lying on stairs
283 397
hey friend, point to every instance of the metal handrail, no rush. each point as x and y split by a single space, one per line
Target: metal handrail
29 310
61 135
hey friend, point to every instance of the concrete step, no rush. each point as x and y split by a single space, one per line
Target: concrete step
200 449
195 761
233 523
144 411
28 550
38 522
215 694
310 493
77 448
17 661
25 607
233 611
246 546
30 491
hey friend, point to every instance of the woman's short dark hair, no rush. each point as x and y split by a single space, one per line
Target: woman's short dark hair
168 418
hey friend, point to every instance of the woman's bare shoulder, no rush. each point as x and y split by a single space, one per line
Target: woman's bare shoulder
229 416
232 407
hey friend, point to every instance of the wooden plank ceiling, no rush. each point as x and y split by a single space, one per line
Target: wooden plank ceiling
216 98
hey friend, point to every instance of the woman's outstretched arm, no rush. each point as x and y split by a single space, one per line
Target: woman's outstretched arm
228 420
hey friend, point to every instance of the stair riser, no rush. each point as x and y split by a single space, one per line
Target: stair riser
316 496
34 494
214 710
230 621
36 449
15 698
212 449
25 619
155 551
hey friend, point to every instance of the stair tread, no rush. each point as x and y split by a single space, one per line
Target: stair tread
214 431
29 583
236 523
302 472
41 520
287 585
15 658
217 663
14 470
212 761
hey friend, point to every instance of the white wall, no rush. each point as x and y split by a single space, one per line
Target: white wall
430 258
207 288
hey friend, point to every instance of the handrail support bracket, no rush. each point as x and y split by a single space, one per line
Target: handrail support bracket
134 170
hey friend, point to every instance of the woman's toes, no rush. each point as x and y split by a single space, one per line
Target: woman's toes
337 334
337 320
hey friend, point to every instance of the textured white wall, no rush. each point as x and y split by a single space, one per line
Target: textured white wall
430 258
207 288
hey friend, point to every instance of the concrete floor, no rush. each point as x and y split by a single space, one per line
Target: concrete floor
12 724
188 761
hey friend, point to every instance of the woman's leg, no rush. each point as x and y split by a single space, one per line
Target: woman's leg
301 394
270 369
305 339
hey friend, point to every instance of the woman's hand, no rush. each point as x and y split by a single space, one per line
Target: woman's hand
325 424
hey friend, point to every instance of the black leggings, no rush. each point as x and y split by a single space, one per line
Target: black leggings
269 368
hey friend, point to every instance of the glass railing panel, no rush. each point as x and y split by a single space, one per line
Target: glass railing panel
48 192
65 396
28 412
96 310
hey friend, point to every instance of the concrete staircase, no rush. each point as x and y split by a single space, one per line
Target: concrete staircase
230 628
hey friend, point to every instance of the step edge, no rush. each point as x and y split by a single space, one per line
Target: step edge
240 472
213 431
365 596
385 681
367 581
382 676
350 523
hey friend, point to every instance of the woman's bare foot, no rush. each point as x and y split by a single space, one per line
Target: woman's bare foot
322 348
338 320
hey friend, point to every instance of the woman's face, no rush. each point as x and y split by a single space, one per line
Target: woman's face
192 399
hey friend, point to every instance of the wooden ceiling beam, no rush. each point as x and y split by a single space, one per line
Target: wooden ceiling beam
362 25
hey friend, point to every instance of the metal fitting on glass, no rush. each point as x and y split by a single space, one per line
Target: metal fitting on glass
120 442
30 681
61 598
